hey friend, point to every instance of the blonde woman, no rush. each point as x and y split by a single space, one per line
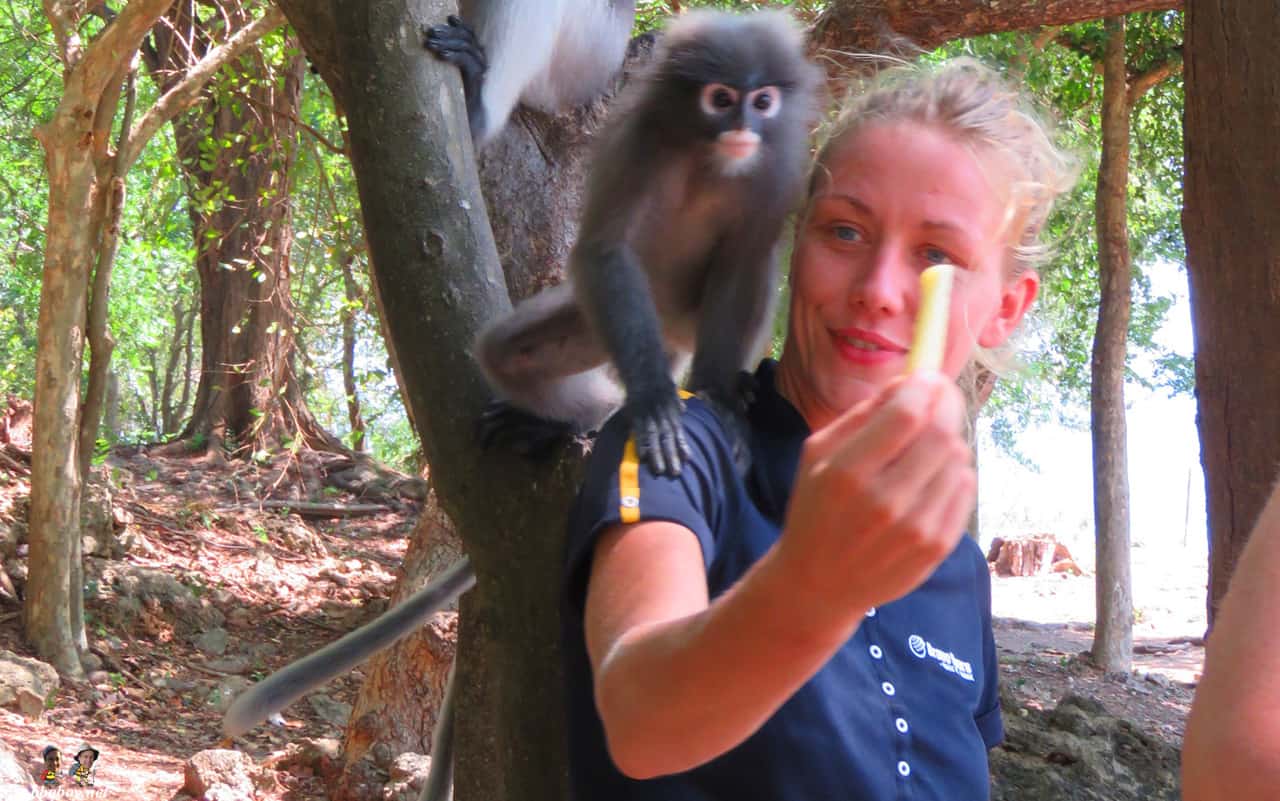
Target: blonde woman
821 629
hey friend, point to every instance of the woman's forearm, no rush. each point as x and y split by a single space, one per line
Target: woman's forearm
1232 746
676 694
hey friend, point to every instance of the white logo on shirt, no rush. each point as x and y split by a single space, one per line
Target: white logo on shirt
947 660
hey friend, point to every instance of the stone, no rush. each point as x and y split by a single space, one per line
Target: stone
221 775
1078 752
335 713
222 695
408 777
16 783
22 680
212 642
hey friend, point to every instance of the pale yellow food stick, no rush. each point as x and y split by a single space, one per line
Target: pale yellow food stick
931 322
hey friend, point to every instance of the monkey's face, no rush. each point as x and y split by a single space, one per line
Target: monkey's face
738 119
900 197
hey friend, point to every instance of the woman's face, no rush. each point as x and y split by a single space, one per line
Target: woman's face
900 197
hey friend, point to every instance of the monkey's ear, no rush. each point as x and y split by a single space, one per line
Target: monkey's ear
1016 296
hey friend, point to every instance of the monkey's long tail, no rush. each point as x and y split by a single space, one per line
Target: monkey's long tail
291 682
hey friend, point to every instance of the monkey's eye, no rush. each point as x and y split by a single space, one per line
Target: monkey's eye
766 101
718 98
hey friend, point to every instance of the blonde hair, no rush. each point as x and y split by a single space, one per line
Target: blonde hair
972 103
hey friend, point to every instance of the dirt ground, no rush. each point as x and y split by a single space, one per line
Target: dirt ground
287 585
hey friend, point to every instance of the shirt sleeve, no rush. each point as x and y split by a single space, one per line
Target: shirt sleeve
989 718
619 488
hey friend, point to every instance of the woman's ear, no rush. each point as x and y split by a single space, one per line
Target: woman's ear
1015 298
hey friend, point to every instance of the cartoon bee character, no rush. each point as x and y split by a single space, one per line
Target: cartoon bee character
83 766
52 761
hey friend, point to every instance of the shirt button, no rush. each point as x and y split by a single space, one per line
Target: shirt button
904 769
888 688
901 724
871 612
876 653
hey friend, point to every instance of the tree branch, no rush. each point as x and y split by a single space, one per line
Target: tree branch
1147 80
109 54
187 92
871 25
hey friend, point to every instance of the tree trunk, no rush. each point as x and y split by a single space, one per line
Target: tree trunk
399 701
237 148
352 294
1231 221
54 518
81 167
1113 637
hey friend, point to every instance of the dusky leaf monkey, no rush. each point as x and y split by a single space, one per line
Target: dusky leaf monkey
675 259
547 54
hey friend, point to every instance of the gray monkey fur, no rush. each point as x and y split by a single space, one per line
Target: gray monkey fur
548 54
675 256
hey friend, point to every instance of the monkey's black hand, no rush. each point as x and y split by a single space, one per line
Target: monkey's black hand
457 44
659 432
527 434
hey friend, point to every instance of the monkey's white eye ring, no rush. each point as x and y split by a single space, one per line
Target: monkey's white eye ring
766 101
717 98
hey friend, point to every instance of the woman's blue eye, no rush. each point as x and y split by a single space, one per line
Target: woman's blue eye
847 233
936 256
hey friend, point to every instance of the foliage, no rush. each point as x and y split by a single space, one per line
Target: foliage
155 277
1057 344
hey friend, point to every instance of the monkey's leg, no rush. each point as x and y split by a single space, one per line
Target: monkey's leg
439 786
546 364
457 44
297 679
737 309
616 290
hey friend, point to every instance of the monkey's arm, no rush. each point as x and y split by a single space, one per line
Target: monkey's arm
293 681
456 43
737 310
619 301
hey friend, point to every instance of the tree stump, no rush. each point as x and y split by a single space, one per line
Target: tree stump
1032 555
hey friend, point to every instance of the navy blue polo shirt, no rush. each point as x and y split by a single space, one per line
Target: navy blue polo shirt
905 709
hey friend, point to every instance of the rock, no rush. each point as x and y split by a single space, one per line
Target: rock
16 783
408 777
100 678
90 661
213 642
145 583
221 696
230 664
96 523
221 775
1078 752
19 674
330 711
8 538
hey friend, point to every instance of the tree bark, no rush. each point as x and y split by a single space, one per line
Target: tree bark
1113 636
70 141
399 701
1231 222
353 304
888 25
242 227
81 167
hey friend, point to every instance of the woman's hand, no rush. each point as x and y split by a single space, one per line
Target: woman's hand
881 498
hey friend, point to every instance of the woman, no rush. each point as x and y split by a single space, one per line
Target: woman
820 628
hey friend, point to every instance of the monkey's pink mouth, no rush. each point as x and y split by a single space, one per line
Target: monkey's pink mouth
737 145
